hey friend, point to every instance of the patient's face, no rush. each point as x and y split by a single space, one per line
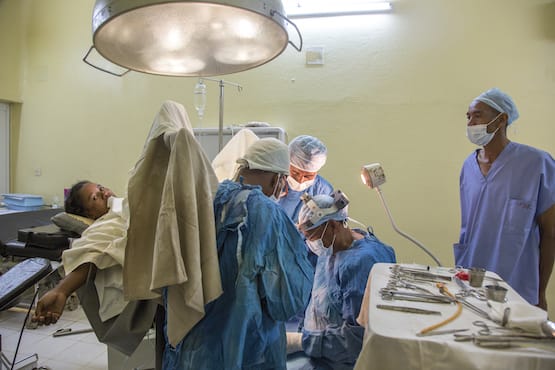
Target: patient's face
95 199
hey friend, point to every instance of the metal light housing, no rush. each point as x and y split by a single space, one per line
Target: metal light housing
189 38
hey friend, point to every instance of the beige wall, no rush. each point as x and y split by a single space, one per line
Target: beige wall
11 43
394 89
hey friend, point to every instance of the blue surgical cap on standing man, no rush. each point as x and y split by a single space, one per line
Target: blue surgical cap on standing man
501 102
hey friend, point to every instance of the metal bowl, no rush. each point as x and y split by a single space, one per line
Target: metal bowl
496 293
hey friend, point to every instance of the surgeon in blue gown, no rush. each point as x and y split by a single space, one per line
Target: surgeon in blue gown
307 156
265 276
331 337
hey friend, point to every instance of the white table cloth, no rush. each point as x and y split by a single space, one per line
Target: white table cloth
390 340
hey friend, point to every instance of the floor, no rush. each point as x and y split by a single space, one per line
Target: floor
71 352
77 351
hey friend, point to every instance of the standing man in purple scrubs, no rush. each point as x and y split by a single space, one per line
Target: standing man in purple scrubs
507 194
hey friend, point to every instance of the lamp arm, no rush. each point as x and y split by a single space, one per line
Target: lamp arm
300 47
407 236
100 68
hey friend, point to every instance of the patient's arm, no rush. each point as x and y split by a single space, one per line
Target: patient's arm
51 304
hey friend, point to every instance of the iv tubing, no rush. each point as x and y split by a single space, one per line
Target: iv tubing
402 233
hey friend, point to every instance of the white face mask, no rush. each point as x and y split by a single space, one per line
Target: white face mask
273 196
299 186
317 246
478 134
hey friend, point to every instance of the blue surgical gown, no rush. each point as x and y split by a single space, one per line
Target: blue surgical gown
331 335
499 231
292 203
265 280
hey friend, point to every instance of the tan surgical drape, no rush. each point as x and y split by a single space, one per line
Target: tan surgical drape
171 238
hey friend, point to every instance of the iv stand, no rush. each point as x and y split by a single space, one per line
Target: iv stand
222 84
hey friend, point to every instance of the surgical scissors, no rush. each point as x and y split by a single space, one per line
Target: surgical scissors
485 330
489 330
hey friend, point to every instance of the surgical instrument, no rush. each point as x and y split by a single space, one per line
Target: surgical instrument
418 274
440 332
485 329
467 291
388 294
498 337
483 314
408 309
507 342
400 283
62 332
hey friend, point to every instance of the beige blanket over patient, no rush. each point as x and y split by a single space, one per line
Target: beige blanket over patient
171 239
103 244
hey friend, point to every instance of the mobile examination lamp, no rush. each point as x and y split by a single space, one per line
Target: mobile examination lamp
372 175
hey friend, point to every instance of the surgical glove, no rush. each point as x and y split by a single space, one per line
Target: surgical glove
294 342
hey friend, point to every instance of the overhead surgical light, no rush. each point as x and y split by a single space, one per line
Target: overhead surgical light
190 38
373 176
330 8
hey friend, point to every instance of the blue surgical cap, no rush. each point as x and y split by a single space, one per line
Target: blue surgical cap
307 153
501 102
323 202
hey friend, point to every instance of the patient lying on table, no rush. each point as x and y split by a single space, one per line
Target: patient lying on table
101 246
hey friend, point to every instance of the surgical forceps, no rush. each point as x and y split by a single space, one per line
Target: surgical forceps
467 291
400 273
487 330
388 295
395 283
472 293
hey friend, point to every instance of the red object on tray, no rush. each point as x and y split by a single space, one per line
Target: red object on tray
463 275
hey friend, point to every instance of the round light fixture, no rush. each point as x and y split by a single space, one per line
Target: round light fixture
189 38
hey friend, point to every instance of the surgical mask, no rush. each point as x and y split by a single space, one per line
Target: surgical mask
299 186
317 246
273 197
478 134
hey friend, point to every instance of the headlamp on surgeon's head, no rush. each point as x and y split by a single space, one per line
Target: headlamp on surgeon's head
322 208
